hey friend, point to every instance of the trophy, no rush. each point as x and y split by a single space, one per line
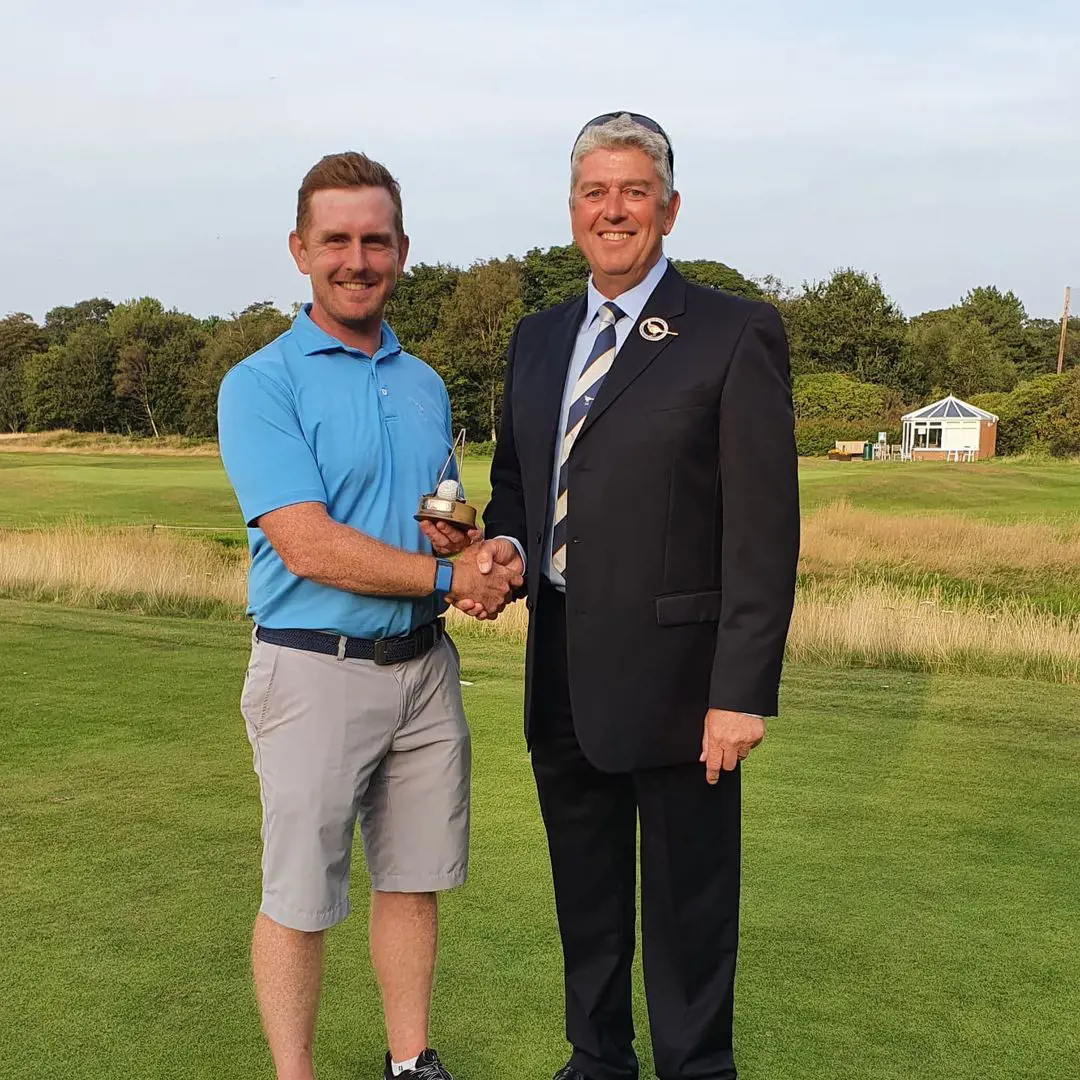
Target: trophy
447 501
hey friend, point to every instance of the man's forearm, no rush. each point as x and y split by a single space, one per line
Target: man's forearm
345 558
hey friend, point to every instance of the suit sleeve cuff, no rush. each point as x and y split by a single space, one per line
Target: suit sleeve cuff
517 547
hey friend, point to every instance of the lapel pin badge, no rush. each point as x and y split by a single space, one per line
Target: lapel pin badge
655 329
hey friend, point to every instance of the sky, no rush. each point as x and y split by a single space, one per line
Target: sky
156 149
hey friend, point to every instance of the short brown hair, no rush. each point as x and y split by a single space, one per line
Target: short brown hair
346 170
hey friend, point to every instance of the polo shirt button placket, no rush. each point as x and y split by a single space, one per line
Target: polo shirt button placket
386 407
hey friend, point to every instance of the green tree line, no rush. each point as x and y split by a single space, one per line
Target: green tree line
858 362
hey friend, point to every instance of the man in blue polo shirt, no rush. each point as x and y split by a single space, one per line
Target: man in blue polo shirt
352 698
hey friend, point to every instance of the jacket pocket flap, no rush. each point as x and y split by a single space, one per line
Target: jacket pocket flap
683 608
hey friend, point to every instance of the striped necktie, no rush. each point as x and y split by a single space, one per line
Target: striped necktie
601 357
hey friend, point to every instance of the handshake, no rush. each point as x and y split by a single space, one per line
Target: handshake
486 573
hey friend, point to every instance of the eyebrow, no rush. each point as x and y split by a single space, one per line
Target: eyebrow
622 183
365 238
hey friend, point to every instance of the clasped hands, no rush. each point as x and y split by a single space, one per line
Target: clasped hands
485 575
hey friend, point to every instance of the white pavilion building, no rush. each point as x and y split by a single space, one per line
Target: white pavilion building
949 430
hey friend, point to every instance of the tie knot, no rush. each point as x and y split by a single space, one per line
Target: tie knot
610 313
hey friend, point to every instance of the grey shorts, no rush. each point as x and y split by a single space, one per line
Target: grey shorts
336 740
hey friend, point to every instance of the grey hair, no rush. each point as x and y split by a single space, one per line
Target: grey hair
616 135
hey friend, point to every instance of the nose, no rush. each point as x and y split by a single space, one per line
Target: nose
614 206
357 259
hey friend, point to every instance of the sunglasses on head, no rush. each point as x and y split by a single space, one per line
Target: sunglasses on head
638 118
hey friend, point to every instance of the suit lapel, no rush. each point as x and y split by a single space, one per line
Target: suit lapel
547 402
668 301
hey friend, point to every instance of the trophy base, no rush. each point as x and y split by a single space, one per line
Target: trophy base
432 508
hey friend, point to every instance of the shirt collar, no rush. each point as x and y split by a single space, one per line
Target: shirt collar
633 301
313 339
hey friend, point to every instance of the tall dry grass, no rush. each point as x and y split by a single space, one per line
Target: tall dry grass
844 622
140 569
839 537
63 441
152 571
855 624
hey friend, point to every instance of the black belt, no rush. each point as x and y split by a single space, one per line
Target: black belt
389 650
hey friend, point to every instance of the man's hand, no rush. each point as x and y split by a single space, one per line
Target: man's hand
489 555
482 586
728 738
447 539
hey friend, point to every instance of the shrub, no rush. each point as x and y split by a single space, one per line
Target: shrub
1059 427
818 436
837 397
1040 416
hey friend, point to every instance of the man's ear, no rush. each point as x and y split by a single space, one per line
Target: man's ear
296 249
672 212
403 254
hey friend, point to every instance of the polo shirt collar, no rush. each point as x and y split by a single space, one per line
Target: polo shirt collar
633 301
313 339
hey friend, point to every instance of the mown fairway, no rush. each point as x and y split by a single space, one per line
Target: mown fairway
44 488
132 489
996 490
910 903
910 900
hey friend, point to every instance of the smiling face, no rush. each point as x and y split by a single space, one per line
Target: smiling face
351 249
618 216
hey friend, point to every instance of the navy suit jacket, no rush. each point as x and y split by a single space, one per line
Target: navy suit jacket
683 518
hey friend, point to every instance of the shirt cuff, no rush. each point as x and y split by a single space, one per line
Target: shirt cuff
517 547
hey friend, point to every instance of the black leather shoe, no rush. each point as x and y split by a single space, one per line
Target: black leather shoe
428 1067
568 1072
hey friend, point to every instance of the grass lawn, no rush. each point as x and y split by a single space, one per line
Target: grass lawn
102 489
44 488
910 901
997 490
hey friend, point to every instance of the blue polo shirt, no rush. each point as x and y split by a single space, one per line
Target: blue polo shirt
309 419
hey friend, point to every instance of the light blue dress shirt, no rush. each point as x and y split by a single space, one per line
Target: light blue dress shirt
631 303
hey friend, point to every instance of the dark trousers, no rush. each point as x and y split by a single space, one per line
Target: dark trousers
689 889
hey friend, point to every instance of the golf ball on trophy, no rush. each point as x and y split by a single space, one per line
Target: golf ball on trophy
451 489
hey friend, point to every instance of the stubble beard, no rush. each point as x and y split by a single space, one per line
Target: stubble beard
361 323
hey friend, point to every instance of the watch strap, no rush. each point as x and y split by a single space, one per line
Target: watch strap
444 576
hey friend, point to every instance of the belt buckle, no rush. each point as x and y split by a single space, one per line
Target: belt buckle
381 656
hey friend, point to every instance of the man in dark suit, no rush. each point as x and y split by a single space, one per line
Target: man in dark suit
645 475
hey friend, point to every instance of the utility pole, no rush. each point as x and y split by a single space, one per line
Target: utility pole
1064 330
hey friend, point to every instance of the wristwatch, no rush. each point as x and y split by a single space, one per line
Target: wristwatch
444 577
